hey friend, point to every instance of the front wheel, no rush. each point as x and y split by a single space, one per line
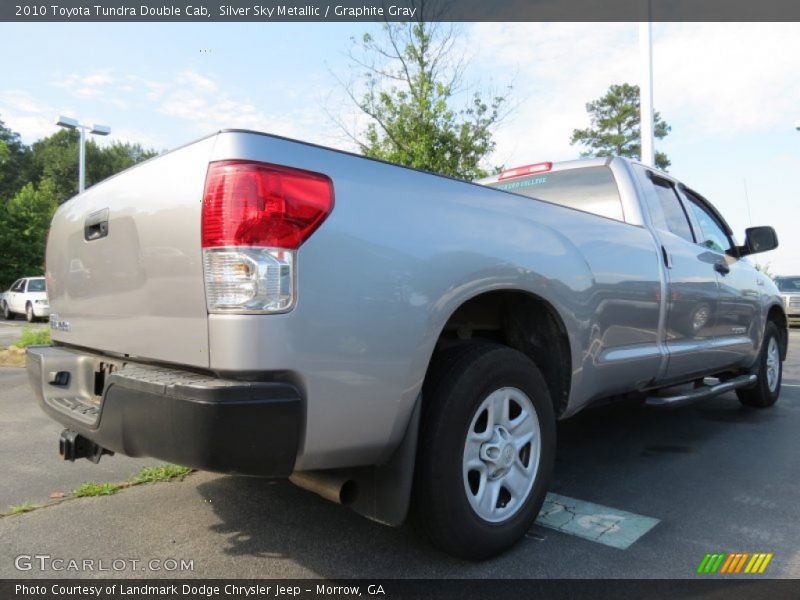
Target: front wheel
486 452
769 370
7 314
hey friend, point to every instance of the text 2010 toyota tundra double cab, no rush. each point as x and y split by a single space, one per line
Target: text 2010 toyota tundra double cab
257 305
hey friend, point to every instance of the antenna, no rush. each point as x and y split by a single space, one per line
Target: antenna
747 203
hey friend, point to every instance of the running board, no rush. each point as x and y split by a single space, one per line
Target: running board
700 393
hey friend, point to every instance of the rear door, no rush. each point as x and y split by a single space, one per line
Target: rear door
692 294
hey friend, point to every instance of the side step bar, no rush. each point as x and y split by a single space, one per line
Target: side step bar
701 393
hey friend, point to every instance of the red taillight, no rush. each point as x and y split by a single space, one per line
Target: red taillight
526 170
257 204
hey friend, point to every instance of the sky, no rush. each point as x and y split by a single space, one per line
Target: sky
730 92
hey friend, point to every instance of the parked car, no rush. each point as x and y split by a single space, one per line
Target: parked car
257 305
28 297
789 288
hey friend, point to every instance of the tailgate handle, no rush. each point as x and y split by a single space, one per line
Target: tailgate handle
96 225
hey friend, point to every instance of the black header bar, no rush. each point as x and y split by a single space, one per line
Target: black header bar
711 588
265 11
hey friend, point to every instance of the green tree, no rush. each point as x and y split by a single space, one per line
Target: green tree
33 181
24 222
419 112
14 163
615 126
56 158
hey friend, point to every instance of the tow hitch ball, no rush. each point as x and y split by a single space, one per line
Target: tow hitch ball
72 445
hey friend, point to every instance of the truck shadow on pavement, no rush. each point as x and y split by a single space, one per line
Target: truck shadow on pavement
273 519
621 455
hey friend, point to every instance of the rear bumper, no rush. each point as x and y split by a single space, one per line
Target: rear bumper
183 417
793 319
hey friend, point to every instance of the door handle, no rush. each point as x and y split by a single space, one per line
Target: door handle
667 257
722 268
96 225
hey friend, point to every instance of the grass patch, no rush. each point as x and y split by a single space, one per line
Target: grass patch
146 475
33 337
90 489
18 509
162 473
93 489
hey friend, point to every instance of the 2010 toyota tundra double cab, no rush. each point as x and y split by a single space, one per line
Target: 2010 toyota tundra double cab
257 305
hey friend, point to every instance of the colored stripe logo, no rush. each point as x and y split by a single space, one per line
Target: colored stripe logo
734 562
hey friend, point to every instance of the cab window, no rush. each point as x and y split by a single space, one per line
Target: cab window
712 234
667 211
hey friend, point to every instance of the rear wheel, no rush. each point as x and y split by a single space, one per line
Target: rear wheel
7 314
487 447
29 316
769 370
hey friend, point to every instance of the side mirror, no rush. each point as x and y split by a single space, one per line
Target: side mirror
758 239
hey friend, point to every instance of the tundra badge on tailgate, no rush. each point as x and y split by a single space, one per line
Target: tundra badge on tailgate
58 324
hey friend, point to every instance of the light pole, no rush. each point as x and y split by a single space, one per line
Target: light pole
646 89
82 129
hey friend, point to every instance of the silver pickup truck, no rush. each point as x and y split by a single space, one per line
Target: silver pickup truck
380 335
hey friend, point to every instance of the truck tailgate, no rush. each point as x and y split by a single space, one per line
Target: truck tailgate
124 263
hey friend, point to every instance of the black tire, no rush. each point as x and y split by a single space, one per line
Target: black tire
29 316
761 395
458 382
7 314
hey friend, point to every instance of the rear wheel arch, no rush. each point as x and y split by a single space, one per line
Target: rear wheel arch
522 321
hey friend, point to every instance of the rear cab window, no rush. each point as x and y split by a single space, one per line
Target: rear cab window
590 189
36 285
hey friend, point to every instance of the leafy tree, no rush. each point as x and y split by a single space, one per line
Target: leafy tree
14 163
412 78
616 125
24 222
33 181
56 158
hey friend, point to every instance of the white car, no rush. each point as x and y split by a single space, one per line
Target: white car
26 296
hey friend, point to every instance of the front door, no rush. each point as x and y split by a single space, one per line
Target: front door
738 329
692 292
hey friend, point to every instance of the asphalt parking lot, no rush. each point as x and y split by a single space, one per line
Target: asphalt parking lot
714 477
